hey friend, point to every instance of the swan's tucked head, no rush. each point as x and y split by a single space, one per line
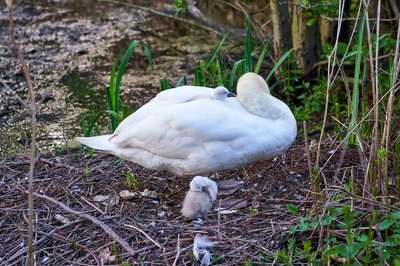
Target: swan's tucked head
221 93
204 184
250 82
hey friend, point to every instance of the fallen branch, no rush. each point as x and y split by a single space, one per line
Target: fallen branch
94 220
197 14
165 14
199 19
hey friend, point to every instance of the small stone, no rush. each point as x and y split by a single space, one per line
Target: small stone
126 195
152 225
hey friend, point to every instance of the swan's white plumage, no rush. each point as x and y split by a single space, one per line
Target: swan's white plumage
192 130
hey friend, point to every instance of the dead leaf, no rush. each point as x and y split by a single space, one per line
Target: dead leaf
233 203
106 200
100 198
228 187
127 195
149 193
230 184
105 255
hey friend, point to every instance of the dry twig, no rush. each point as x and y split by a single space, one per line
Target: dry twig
144 233
92 219
32 109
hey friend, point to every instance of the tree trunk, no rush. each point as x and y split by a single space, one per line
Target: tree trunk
306 39
281 22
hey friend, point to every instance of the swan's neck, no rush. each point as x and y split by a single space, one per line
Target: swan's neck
261 103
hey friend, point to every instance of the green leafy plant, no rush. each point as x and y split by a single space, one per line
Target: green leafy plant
131 180
115 105
180 6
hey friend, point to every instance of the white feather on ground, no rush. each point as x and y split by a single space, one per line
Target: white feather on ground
200 252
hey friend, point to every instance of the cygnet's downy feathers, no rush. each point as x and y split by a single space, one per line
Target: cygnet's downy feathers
200 197
193 130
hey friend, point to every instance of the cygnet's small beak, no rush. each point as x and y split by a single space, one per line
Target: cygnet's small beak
230 94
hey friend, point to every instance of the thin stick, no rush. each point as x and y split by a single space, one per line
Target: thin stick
394 87
375 95
19 99
88 202
388 118
307 151
40 241
32 109
92 219
178 252
144 233
219 220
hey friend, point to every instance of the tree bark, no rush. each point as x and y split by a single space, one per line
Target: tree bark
306 39
281 22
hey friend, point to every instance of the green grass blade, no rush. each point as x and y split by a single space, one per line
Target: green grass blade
276 84
356 93
114 114
122 66
164 84
215 52
84 125
278 64
198 76
92 124
233 73
111 89
126 111
247 55
110 95
219 74
261 58
182 80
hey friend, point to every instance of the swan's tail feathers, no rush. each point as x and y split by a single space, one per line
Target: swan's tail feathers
99 142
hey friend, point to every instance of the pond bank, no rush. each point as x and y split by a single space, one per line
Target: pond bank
76 43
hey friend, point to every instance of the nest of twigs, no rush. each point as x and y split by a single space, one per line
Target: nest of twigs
256 223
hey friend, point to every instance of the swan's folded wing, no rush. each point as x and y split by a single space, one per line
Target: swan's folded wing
208 127
164 99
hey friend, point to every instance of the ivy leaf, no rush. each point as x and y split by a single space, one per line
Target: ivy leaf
385 224
292 208
313 224
326 220
303 227
341 48
395 215
293 229
336 250
311 22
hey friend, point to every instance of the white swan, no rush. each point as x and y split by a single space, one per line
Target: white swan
193 130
